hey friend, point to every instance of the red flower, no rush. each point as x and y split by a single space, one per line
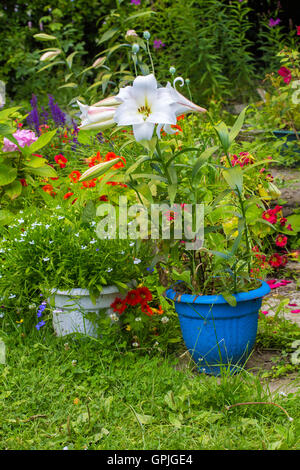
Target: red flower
146 309
277 209
270 216
74 176
89 183
48 188
133 297
145 294
23 182
67 195
37 155
103 198
60 160
298 30
281 240
289 227
119 305
283 221
111 156
275 261
286 74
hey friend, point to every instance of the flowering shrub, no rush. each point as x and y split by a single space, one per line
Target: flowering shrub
49 249
280 107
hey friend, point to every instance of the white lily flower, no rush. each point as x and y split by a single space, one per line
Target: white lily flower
180 105
143 105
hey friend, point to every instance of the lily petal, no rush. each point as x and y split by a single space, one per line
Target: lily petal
143 131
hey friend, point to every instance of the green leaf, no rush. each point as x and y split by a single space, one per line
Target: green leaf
13 190
68 85
237 125
108 35
172 191
5 113
230 299
70 58
202 159
234 177
6 217
36 162
223 134
7 174
42 141
45 171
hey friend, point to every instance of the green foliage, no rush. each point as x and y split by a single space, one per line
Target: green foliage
44 249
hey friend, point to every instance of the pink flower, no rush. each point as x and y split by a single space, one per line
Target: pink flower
24 137
286 74
298 30
273 23
265 312
135 2
289 227
275 262
281 240
295 311
270 216
157 44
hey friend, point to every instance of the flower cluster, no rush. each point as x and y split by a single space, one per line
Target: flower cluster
39 314
24 137
140 296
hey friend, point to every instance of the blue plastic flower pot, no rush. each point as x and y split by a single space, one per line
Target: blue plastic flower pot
217 335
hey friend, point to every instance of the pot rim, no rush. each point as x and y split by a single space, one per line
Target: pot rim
261 291
84 292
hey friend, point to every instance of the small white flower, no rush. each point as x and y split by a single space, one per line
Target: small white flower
93 223
131 244
58 207
109 270
76 234
164 319
12 296
74 362
83 247
138 319
135 344
60 217
122 252
31 243
66 448
93 241
156 343
51 241
21 221
46 259
136 261
114 317
47 226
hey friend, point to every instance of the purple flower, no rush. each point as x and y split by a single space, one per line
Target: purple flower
40 324
33 117
135 2
58 116
157 44
273 23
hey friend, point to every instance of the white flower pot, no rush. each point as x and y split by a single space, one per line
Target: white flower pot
71 307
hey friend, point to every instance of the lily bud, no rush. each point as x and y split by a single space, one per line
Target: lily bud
96 117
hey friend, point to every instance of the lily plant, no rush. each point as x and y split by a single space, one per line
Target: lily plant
158 171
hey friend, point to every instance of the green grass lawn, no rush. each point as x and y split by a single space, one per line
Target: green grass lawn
58 392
